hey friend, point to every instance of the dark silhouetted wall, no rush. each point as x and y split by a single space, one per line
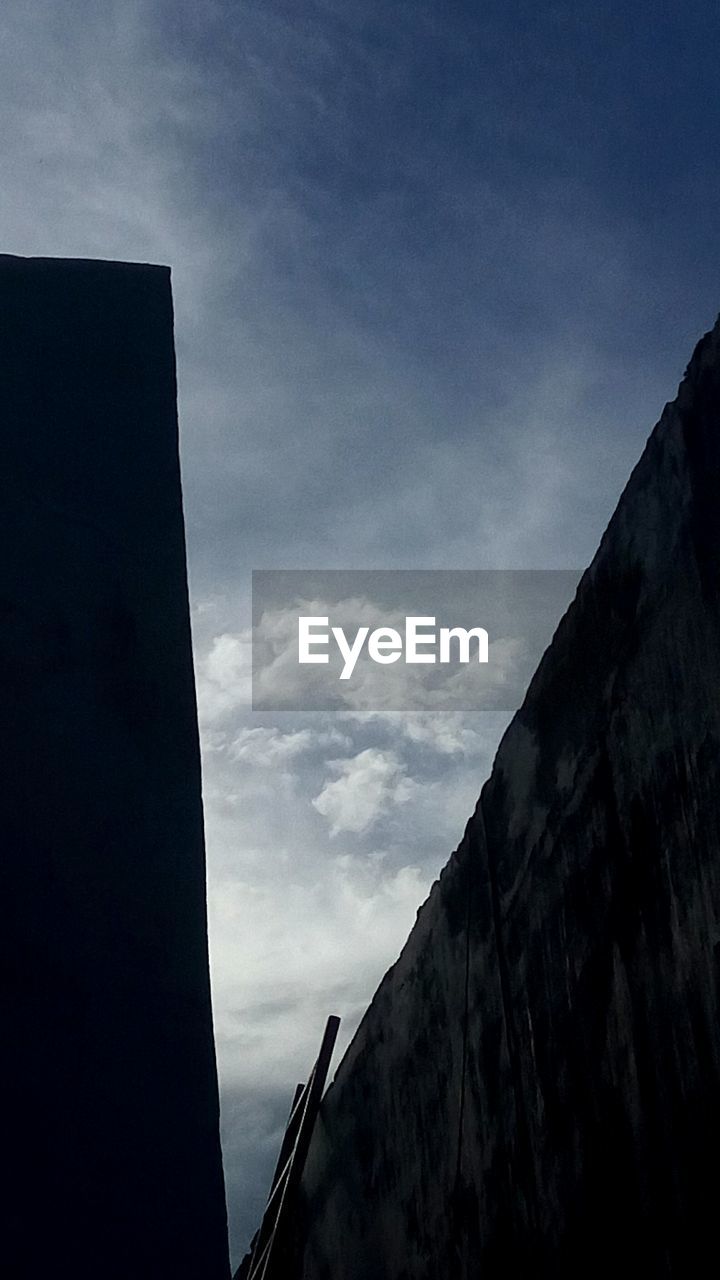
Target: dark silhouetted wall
110 1109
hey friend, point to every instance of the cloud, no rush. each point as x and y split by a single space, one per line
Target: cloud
269 748
272 1009
448 733
224 677
366 786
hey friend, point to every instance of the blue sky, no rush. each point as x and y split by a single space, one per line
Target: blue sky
437 267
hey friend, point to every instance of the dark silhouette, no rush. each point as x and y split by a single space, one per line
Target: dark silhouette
109 1095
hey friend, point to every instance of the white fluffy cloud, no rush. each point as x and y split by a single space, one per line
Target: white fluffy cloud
224 677
364 788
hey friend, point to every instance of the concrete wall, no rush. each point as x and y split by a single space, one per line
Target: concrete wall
535 1089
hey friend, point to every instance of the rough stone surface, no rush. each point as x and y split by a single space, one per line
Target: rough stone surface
565 966
109 1097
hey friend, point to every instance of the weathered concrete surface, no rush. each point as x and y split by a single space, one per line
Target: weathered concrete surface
587 889
109 1094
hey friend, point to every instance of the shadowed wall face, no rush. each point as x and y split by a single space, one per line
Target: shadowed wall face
111 1107
535 1089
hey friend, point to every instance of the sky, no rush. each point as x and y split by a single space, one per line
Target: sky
437 267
